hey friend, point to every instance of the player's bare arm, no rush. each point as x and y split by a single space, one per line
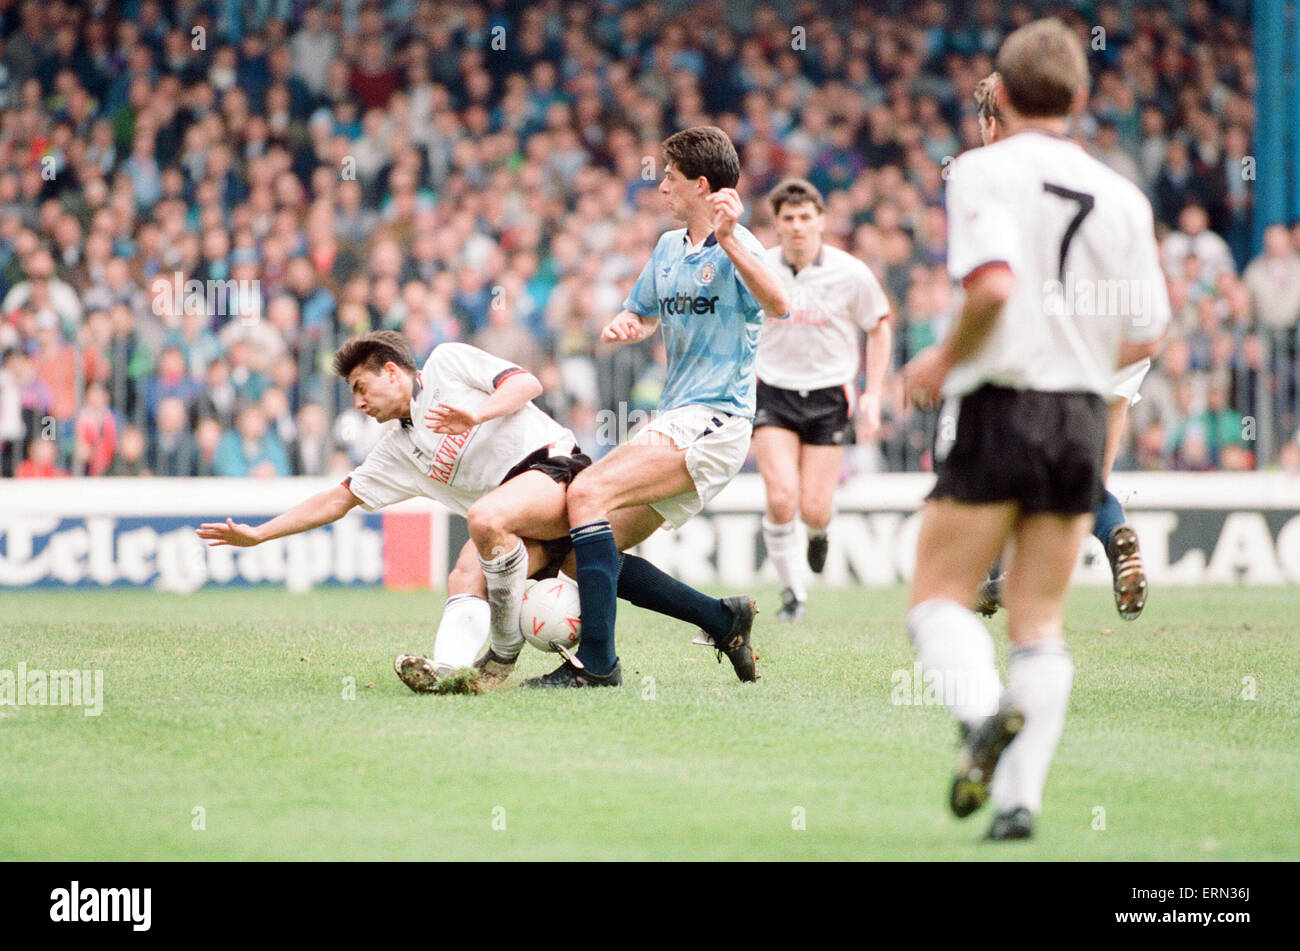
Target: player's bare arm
514 392
986 293
321 509
1130 353
628 327
762 283
880 339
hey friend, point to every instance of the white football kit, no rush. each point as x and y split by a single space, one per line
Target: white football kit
831 300
411 460
1080 240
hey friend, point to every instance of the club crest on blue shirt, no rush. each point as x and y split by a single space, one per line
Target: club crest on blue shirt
708 271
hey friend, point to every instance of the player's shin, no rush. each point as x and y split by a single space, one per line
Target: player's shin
780 542
461 633
505 576
1108 516
642 584
956 655
597 577
1039 677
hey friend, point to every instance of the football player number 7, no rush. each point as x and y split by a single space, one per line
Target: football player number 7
1086 203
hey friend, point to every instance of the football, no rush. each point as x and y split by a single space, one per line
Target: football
550 614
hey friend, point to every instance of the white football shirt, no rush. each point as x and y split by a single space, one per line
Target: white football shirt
831 299
412 460
1079 239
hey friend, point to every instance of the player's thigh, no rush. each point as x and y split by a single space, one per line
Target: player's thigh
819 474
1116 423
649 469
1046 549
957 543
532 504
777 451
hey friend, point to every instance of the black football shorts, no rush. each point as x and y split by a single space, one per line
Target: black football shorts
1042 450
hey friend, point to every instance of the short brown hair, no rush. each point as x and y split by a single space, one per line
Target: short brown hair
986 97
1042 66
795 191
704 150
372 351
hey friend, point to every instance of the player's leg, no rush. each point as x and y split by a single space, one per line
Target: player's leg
531 505
956 543
1117 538
819 474
636 473
465 625
1039 670
777 450
722 620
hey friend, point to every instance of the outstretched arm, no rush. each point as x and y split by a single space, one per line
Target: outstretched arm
321 509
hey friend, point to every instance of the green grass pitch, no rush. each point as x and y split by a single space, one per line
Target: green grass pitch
227 732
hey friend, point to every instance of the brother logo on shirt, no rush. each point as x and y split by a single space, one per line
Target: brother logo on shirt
684 304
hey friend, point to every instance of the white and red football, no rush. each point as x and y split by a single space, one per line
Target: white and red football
551 614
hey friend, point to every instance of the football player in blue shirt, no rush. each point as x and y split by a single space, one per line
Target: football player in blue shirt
707 286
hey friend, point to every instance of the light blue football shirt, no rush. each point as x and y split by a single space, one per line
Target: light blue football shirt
709 319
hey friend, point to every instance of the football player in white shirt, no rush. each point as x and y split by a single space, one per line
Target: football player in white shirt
1026 374
469 437
806 365
1118 539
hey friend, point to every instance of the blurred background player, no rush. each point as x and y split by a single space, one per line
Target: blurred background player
1109 527
805 366
1026 382
707 285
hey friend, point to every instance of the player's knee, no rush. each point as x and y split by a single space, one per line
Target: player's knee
781 504
585 496
486 520
815 513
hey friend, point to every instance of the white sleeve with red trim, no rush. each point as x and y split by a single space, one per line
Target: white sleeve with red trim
871 303
981 229
386 476
470 366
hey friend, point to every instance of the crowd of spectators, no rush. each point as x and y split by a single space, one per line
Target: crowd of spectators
200 200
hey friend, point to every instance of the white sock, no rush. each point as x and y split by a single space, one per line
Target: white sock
461 633
1039 676
505 590
956 655
780 542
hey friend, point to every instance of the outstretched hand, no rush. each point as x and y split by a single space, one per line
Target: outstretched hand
228 532
447 420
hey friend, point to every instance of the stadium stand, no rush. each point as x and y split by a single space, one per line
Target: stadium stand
200 200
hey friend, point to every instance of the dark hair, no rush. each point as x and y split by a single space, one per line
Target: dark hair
986 97
704 150
1042 66
372 351
795 191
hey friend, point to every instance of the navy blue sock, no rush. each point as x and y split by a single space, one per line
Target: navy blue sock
597 556
644 585
1109 516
